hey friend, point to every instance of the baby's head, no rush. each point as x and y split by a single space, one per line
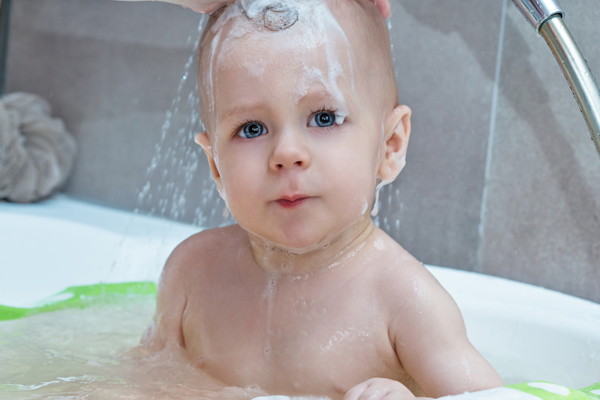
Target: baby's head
300 106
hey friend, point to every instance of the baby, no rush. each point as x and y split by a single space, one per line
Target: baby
305 296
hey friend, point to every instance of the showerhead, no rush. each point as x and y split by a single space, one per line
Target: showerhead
538 11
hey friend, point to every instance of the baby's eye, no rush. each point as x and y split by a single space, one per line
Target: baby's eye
252 130
322 119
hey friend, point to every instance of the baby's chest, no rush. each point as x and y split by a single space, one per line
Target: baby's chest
293 344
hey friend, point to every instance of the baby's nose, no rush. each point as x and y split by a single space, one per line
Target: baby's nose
291 151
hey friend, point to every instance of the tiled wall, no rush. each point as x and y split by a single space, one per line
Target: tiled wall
502 177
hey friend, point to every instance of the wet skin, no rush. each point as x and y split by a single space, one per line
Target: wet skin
306 295
379 313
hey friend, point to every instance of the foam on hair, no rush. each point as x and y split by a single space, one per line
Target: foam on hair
357 23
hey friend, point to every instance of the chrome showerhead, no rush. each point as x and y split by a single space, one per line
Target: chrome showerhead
538 11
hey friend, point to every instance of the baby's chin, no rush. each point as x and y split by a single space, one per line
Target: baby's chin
308 237
298 241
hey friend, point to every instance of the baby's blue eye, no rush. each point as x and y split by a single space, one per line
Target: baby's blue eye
322 120
252 130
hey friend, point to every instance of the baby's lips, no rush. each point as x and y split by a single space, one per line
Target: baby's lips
292 203
293 197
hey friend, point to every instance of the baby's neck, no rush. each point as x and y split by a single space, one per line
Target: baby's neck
280 261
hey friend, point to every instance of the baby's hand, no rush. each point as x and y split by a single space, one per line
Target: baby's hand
379 388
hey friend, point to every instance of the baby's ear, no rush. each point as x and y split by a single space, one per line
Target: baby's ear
397 129
203 139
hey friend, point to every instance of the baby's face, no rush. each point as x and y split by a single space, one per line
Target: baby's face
296 140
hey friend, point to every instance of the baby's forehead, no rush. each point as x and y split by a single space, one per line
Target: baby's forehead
315 41
279 53
301 28
326 44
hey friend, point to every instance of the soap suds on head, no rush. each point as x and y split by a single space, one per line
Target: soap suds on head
255 67
305 26
309 77
279 16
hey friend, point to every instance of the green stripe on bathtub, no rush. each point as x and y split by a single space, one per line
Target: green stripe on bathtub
592 391
82 297
550 391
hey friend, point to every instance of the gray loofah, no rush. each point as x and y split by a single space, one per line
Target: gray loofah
37 153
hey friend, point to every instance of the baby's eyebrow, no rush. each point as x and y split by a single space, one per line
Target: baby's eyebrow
319 94
241 109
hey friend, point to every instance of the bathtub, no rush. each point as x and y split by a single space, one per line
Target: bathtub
528 333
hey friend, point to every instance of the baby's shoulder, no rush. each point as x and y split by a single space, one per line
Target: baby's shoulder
209 241
202 251
402 278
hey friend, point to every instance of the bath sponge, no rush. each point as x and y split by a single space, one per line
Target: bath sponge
37 153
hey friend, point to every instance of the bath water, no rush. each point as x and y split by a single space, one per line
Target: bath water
91 354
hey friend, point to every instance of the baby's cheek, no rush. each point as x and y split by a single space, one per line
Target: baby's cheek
354 191
239 187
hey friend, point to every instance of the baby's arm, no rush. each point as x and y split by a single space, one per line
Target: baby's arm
431 341
171 301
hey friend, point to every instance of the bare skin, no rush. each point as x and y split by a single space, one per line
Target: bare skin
306 296
377 314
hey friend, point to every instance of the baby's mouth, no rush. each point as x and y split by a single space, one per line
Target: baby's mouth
292 201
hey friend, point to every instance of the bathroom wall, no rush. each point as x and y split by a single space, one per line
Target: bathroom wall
502 177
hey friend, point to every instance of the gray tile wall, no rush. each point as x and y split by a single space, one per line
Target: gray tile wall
501 178
542 215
